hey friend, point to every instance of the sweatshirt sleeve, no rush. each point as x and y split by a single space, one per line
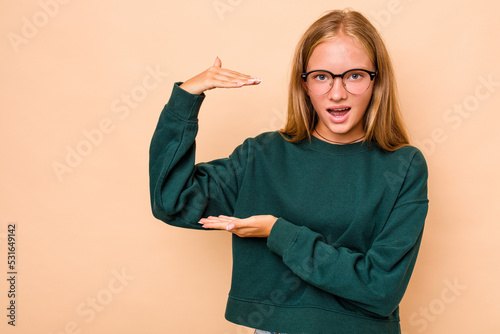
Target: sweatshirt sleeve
376 279
181 191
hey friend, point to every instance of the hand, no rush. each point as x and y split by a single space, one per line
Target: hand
218 77
254 226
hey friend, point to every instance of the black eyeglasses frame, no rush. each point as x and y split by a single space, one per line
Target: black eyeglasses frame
371 73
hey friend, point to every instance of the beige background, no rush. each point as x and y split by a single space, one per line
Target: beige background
91 257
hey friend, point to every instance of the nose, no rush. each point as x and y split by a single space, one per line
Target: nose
338 91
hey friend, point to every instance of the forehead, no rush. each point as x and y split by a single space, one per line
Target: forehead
339 54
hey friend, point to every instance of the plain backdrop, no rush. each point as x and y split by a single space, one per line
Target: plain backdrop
82 86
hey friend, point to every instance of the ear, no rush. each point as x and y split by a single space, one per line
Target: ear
305 87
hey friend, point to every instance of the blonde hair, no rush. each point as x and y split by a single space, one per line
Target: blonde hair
383 123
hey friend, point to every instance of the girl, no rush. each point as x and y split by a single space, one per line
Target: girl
327 214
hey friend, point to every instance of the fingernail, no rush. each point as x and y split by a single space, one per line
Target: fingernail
229 227
200 222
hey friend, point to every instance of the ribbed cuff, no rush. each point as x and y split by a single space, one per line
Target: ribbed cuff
282 236
184 104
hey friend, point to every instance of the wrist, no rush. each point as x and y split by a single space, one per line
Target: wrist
190 89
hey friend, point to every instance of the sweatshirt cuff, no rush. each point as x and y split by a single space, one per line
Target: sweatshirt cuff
282 236
184 104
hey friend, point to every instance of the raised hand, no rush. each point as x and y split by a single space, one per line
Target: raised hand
218 77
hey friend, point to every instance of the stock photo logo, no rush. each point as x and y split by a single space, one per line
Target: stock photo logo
32 25
224 6
454 116
429 313
89 309
120 108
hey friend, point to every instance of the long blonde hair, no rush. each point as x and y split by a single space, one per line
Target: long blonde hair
383 123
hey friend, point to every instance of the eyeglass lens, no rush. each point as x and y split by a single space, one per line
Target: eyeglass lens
355 82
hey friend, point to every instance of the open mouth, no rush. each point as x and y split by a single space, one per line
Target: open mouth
338 114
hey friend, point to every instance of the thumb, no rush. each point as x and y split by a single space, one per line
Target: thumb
218 62
233 224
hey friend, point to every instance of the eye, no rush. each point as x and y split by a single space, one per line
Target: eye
320 77
355 76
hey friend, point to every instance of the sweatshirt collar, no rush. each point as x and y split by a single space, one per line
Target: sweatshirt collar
337 149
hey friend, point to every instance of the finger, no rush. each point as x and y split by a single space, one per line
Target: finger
210 219
256 81
235 83
221 81
235 224
232 77
227 217
218 62
248 79
214 222
236 74
215 225
221 222
229 75
231 222
232 73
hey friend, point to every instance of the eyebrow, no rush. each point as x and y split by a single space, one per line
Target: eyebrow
353 68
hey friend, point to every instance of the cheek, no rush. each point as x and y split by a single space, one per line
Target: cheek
317 101
364 101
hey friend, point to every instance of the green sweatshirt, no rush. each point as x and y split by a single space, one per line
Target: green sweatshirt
339 257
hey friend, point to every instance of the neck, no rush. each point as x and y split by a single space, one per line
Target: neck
339 142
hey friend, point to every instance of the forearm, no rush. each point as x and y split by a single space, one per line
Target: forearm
374 280
172 153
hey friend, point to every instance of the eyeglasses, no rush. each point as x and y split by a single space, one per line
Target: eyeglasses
355 81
